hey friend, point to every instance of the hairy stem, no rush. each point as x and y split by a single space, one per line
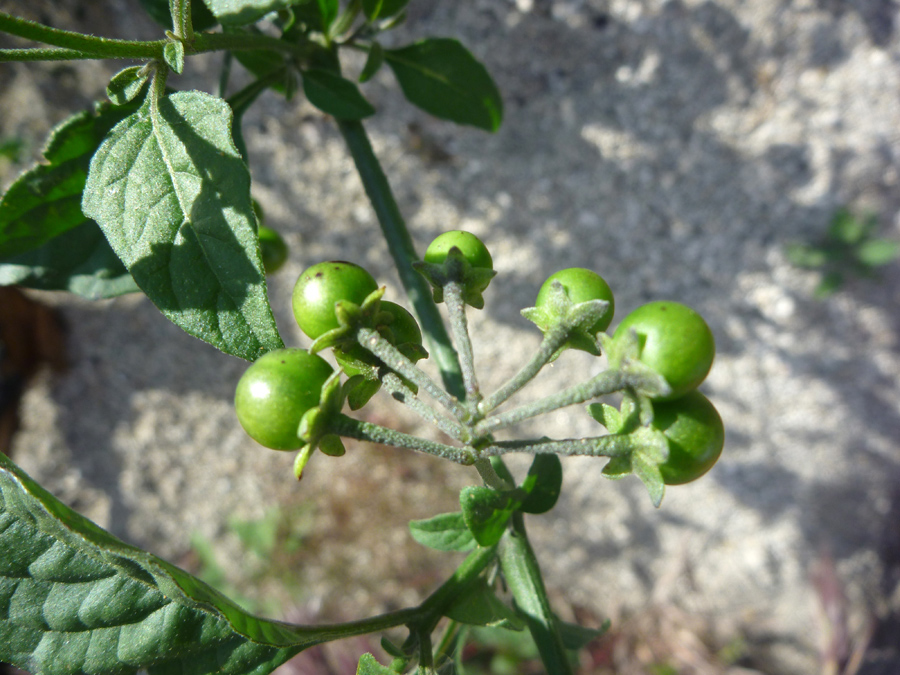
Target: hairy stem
456 308
607 382
400 392
375 433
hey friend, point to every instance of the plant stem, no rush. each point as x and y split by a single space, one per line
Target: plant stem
102 47
375 433
456 309
551 342
490 477
108 48
607 382
611 445
372 341
403 252
523 575
400 392
45 54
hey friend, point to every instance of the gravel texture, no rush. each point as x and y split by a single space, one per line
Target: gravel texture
675 147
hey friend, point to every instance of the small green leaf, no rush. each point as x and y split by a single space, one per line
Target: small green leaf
45 201
172 194
809 257
335 95
126 85
80 261
543 484
380 9
829 285
877 252
263 63
329 10
442 77
480 606
444 532
373 62
577 637
173 54
847 228
487 511
242 12
368 665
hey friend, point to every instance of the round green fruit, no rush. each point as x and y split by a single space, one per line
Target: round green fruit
581 285
321 287
675 342
695 433
275 392
273 249
472 248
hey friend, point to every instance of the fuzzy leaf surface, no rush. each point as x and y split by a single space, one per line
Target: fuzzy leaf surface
444 532
74 599
172 194
45 201
441 77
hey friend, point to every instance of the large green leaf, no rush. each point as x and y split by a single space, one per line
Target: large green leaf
45 201
335 95
80 261
444 532
172 194
442 77
74 599
242 12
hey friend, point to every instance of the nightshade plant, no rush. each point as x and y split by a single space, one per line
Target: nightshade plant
150 191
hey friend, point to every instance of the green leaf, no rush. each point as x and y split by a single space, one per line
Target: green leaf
444 532
803 255
173 54
201 18
126 85
80 261
648 472
847 228
335 95
480 606
829 285
368 665
242 12
45 201
380 9
262 63
373 62
328 10
577 637
543 484
440 76
75 599
877 252
487 511
171 193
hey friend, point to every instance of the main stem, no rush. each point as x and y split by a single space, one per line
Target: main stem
403 252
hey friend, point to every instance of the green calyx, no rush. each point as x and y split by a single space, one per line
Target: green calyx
455 268
574 319
315 428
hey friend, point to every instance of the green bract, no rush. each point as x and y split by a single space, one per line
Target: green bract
322 286
675 342
275 392
695 433
273 249
472 248
581 285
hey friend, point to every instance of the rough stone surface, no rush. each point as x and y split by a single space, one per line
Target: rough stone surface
674 146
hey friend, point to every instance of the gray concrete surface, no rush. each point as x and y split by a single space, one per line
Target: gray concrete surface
675 147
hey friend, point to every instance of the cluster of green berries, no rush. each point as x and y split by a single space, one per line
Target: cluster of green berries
668 337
